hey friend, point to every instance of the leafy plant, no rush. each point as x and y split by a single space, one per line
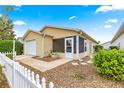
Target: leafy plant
114 47
98 48
110 63
7 46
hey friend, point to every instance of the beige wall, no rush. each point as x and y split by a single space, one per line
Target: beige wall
48 45
59 33
81 55
38 38
48 41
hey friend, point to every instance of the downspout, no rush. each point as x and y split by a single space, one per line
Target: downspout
84 49
77 47
43 36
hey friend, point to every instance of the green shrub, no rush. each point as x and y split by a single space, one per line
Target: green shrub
7 46
110 63
98 48
114 47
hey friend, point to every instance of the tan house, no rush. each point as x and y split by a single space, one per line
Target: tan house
65 42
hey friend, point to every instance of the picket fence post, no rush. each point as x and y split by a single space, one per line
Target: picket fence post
29 74
23 77
38 81
43 82
51 85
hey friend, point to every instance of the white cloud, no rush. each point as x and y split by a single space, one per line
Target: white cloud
107 26
17 5
72 17
111 21
18 22
107 8
0 15
103 9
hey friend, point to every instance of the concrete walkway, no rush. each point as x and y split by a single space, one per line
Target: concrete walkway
41 65
19 57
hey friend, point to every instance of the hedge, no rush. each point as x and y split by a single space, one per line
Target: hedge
98 48
7 46
110 63
114 47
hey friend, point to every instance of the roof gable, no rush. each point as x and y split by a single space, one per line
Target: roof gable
28 32
71 29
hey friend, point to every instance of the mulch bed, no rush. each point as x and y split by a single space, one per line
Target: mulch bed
80 76
46 59
76 76
3 81
85 59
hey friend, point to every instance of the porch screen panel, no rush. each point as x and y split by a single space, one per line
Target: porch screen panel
58 45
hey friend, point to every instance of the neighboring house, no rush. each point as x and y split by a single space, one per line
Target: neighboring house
20 39
106 45
67 43
118 39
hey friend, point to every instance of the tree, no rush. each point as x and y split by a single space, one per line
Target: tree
6 28
8 8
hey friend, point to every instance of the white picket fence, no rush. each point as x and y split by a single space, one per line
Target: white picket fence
20 77
8 53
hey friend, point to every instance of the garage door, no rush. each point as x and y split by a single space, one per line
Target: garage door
30 47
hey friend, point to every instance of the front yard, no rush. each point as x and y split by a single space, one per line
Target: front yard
79 76
72 74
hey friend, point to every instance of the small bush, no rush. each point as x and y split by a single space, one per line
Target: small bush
110 63
7 46
78 76
98 48
114 47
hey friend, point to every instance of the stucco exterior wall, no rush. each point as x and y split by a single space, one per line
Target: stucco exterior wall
106 45
81 55
48 45
119 41
45 45
59 33
89 45
38 38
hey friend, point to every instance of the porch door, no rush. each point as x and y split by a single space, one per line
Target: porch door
69 47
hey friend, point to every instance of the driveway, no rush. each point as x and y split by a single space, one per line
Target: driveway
41 65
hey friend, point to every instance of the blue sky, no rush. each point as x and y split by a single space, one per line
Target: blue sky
100 22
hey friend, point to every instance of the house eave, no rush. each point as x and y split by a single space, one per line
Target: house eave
72 29
119 33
